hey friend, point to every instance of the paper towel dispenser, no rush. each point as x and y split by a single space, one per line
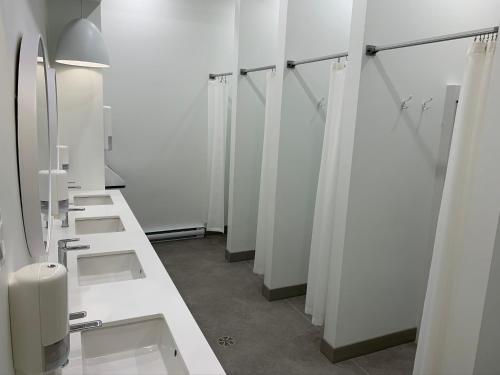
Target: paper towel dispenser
38 304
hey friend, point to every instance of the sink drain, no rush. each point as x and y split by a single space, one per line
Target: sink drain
225 341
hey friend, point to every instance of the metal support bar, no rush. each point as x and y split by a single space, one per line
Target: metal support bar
244 72
290 64
371 50
215 75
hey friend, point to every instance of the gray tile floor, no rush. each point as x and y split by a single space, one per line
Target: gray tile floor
269 337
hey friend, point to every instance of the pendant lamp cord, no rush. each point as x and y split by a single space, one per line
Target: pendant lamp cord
81 8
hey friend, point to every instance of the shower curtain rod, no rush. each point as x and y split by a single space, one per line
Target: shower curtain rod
290 64
371 50
215 75
244 72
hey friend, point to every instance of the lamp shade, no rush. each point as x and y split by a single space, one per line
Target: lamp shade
81 44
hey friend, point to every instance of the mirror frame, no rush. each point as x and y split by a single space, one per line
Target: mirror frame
27 143
53 117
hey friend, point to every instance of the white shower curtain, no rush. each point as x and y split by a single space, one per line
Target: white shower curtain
321 241
455 204
217 125
265 216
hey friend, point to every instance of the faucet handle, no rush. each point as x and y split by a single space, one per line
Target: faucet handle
77 315
76 209
86 326
64 241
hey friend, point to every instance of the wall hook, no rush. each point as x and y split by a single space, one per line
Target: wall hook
425 104
321 103
404 103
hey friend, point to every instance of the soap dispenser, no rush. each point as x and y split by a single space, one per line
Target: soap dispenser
39 322
63 157
108 129
60 197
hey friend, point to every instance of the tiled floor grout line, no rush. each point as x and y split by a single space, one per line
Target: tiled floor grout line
360 367
299 312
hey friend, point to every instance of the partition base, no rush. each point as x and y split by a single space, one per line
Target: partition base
239 256
358 349
282 293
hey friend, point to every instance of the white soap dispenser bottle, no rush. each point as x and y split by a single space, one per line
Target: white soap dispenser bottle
38 304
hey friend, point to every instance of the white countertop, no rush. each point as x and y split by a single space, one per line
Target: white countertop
153 295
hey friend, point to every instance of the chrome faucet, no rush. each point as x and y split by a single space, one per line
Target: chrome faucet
86 326
81 327
65 220
62 249
71 185
77 315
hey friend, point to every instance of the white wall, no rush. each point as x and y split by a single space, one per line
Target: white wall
17 18
80 100
313 29
254 46
161 53
381 259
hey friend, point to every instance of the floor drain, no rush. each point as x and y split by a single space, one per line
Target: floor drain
225 341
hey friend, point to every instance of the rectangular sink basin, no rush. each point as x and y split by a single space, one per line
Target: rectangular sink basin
105 224
108 267
144 347
92 200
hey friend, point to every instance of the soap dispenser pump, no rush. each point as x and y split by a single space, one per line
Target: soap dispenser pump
38 303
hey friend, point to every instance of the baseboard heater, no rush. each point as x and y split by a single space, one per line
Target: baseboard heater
176 234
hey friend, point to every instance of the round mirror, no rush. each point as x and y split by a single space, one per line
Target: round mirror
33 145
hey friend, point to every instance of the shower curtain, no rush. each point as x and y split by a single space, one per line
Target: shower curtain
265 216
321 241
455 204
217 125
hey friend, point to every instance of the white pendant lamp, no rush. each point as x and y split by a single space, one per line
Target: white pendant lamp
81 44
